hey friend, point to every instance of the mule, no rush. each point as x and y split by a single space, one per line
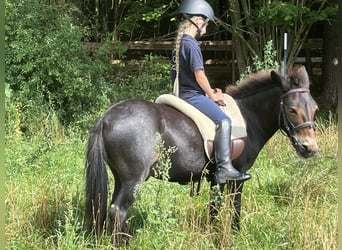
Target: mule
124 138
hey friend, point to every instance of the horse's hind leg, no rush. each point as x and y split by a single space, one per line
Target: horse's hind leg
112 213
122 200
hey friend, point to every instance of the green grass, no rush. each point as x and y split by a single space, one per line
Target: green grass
289 203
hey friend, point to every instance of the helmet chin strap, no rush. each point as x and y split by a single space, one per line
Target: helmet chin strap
199 29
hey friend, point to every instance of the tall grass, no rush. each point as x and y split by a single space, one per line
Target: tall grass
290 203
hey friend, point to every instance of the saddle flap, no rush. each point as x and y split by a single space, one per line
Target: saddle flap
237 146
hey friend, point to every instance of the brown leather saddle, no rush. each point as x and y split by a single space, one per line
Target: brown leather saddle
207 127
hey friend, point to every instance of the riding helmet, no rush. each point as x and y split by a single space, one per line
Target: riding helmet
197 7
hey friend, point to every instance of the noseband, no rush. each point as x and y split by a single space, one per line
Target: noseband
290 129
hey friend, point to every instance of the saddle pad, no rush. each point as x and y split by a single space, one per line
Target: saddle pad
205 125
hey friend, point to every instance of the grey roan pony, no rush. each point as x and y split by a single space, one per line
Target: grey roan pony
124 138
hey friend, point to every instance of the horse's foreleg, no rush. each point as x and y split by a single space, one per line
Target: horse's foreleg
235 191
216 199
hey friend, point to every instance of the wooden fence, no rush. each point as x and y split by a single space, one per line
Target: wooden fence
205 45
217 70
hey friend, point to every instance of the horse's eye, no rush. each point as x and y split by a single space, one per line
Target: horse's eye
292 111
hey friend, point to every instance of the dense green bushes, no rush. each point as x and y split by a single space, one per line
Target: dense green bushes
48 69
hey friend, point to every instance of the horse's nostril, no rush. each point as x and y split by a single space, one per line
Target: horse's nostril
305 147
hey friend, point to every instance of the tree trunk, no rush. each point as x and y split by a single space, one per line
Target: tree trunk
339 74
239 49
329 66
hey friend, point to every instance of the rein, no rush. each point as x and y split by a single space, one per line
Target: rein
290 129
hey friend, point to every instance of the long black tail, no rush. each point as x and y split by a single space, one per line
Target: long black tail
96 181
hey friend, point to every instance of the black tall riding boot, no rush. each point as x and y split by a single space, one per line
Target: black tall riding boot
224 168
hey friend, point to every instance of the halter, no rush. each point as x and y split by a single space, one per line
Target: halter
290 129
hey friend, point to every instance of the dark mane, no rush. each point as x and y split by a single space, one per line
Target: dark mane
297 77
251 85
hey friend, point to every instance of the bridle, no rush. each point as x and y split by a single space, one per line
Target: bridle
289 129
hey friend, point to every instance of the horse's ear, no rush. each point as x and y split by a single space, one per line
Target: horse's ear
302 76
280 80
298 77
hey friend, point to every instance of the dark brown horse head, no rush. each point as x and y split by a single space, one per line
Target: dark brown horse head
297 110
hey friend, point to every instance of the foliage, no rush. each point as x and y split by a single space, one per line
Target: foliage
269 61
286 14
161 170
155 77
155 14
145 79
50 71
126 20
253 23
48 68
294 18
76 89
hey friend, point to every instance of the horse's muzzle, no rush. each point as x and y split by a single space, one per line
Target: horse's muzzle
305 147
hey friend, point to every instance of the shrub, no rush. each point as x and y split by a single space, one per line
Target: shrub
149 79
269 61
47 66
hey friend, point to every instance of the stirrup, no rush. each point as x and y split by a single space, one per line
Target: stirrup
222 176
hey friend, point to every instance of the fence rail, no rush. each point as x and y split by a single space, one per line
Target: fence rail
218 69
226 45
